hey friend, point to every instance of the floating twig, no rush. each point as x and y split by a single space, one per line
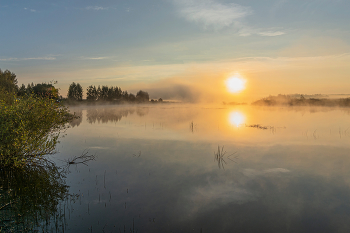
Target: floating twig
83 158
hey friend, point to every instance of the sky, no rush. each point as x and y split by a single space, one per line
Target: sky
180 49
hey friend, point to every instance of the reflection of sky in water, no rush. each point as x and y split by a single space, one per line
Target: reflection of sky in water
156 171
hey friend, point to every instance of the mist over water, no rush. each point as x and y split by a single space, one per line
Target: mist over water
209 168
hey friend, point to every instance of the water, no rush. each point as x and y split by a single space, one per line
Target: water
193 168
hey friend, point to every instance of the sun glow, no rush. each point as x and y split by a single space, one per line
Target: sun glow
236 118
235 83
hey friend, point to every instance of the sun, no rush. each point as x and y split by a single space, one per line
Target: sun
235 83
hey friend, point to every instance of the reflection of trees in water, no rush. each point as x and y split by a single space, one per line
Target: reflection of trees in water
112 114
77 121
142 111
29 199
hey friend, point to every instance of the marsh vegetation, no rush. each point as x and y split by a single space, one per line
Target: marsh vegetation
301 100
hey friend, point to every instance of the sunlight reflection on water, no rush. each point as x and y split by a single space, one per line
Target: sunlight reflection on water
236 118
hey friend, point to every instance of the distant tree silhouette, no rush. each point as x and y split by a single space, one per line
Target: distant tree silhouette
45 90
115 94
75 92
22 90
125 95
91 93
142 96
132 97
103 93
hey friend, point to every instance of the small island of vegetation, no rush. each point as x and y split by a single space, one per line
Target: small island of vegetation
303 100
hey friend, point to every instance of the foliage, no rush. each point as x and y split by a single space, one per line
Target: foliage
29 129
301 100
132 97
8 81
6 97
142 96
91 93
8 86
104 93
40 90
75 92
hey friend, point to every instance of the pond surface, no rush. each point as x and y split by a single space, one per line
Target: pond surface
192 168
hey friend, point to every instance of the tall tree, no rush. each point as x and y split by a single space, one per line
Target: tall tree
142 96
125 95
91 93
75 91
104 93
22 90
132 97
8 81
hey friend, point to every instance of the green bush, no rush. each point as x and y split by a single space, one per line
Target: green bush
29 129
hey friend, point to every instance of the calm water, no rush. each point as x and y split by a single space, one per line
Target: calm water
158 169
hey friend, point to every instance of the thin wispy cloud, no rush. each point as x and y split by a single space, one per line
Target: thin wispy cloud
96 8
271 33
94 58
337 57
247 31
214 15
211 14
28 9
28 58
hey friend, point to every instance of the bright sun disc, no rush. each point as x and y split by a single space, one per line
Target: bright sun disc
235 84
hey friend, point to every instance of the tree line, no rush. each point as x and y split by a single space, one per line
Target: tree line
8 83
9 88
105 93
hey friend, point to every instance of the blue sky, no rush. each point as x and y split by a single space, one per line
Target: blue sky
137 44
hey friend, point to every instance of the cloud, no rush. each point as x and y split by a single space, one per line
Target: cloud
94 58
31 10
247 31
96 8
28 58
211 14
271 33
